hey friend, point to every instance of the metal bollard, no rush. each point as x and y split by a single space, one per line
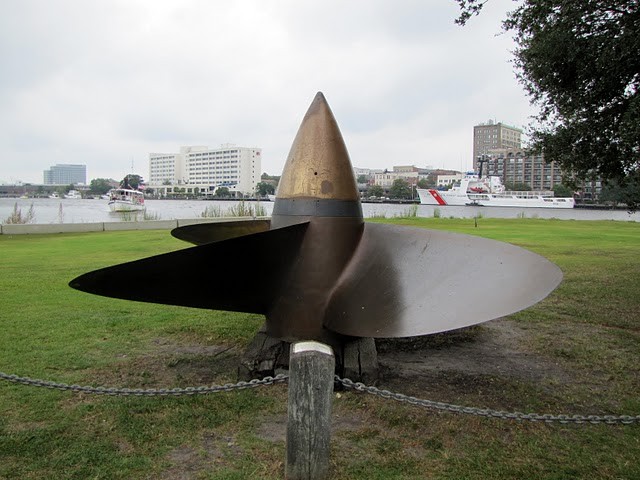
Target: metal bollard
311 374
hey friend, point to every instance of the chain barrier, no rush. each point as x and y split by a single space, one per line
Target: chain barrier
150 392
486 412
345 382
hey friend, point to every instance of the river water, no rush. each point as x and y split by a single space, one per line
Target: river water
88 211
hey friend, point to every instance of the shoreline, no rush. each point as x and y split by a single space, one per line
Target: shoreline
53 228
50 228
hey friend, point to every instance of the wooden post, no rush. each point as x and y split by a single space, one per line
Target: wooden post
311 374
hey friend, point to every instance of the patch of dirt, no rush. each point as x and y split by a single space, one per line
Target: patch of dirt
491 360
174 365
188 463
495 349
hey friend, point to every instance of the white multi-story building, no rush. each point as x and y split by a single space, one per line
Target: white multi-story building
448 180
166 168
409 173
201 170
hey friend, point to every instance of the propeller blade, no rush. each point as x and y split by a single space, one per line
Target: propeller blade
404 282
221 276
202 233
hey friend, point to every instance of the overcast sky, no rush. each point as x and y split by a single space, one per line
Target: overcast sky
104 83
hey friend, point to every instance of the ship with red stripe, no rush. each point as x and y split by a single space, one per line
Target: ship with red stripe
490 192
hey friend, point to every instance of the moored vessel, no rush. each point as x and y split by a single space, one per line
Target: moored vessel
490 192
74 194
125 200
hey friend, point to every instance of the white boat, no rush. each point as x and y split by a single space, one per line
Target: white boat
75 194
490 192
125 200
272 198
54 195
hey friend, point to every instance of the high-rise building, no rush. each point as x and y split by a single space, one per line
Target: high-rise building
65 174
167 168
201 170
490 136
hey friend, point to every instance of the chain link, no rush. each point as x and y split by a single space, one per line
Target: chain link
486 412
347 383
150 392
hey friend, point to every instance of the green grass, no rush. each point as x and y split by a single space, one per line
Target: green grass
588 326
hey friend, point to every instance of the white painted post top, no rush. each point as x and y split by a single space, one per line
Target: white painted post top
311 346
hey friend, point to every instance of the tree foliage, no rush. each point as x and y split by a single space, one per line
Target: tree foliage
222 192
132 181
578 61
400 189
561 190
100 186
265 188
627 192
375 191
426 183
265 176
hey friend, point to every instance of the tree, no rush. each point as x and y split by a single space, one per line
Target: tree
561 190
578 61
264 188
362 179
400 189
626 192
375 191
266 176
222 192
99 186
425 183
132 181
432 180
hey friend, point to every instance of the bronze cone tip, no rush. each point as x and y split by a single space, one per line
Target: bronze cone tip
318 165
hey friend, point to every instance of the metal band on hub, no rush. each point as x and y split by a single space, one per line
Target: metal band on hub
317 207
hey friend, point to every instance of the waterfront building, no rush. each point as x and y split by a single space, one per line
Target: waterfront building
491 136
65 174
386 178
200 170
590 190
368 173
518 166
447 181
167 168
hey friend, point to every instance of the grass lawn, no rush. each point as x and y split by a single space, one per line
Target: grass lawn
588 329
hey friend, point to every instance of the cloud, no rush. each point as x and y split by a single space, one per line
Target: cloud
106 82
